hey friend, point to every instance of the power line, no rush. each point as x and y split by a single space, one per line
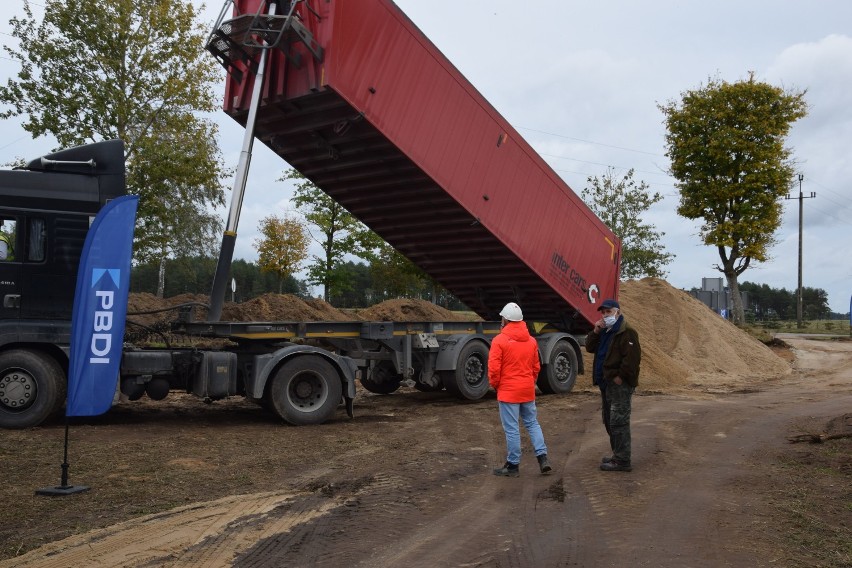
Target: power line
838 194
831 214
828 189
606 165
650 185
591 142
13 142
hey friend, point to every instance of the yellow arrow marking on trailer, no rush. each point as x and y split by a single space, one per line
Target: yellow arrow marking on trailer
611 247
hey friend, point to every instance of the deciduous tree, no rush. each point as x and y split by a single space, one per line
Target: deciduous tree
394 276
283 247
136 71
726 145
621 203
338 233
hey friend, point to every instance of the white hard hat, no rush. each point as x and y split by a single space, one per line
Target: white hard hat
512 312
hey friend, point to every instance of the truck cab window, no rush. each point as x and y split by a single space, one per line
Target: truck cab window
8 235
36 237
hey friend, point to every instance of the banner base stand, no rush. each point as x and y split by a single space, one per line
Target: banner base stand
63 488
60 490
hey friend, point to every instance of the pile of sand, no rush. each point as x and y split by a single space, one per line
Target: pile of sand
150 310
684 343
282 307
407 310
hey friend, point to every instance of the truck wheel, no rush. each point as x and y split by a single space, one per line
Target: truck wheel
560 372
470 379
382 378
306 390
32 387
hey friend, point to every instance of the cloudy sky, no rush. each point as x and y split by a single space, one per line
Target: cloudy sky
581 81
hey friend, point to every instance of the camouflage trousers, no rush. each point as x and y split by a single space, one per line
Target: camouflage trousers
615 410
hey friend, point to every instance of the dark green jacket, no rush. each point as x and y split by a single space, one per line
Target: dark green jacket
622 357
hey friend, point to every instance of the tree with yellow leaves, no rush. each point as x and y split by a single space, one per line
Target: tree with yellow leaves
726 142
283 247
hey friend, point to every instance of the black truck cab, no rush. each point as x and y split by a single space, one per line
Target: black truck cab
46 208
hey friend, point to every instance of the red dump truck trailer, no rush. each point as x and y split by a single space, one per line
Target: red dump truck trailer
359 101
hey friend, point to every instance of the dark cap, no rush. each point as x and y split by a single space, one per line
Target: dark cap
609 303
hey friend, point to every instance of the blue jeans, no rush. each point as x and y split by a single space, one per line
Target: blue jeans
511 414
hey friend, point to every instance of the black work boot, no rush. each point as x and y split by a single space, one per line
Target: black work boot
616 465
508 470
544 465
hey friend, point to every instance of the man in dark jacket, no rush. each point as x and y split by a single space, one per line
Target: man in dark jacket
616 372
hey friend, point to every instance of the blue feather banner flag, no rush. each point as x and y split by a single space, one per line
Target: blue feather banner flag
100 309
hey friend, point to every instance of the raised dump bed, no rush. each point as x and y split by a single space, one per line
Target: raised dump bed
359 101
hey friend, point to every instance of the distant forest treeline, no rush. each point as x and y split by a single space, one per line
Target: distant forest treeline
766 303
195 276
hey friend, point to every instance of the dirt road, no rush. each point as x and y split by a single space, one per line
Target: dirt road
409 483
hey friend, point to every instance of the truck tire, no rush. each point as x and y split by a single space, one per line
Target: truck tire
32 387
560 373
470 378
306 390
382 378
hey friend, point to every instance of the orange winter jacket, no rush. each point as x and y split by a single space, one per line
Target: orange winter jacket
513 363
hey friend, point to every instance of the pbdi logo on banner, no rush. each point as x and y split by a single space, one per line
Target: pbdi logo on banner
103 320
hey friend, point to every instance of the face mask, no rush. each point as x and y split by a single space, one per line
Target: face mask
609 321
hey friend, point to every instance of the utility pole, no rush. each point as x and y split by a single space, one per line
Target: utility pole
799 292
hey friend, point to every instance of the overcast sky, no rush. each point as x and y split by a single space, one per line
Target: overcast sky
581 81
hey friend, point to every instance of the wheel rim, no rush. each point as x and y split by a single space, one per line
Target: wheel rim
562 368
307 391
473 371
18 390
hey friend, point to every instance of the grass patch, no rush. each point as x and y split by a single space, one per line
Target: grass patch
814 504
826 327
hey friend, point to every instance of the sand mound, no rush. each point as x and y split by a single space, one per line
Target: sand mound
149 310
282 307
407 310
149 316
684 342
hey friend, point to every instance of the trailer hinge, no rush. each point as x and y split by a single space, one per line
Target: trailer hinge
235 42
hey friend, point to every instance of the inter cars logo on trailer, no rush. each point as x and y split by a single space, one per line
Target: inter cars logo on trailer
592 293
566 274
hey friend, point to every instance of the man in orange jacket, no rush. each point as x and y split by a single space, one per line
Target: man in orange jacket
513 366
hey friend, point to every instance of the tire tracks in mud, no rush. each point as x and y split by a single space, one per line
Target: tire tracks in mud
205 534
422 512
445 508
